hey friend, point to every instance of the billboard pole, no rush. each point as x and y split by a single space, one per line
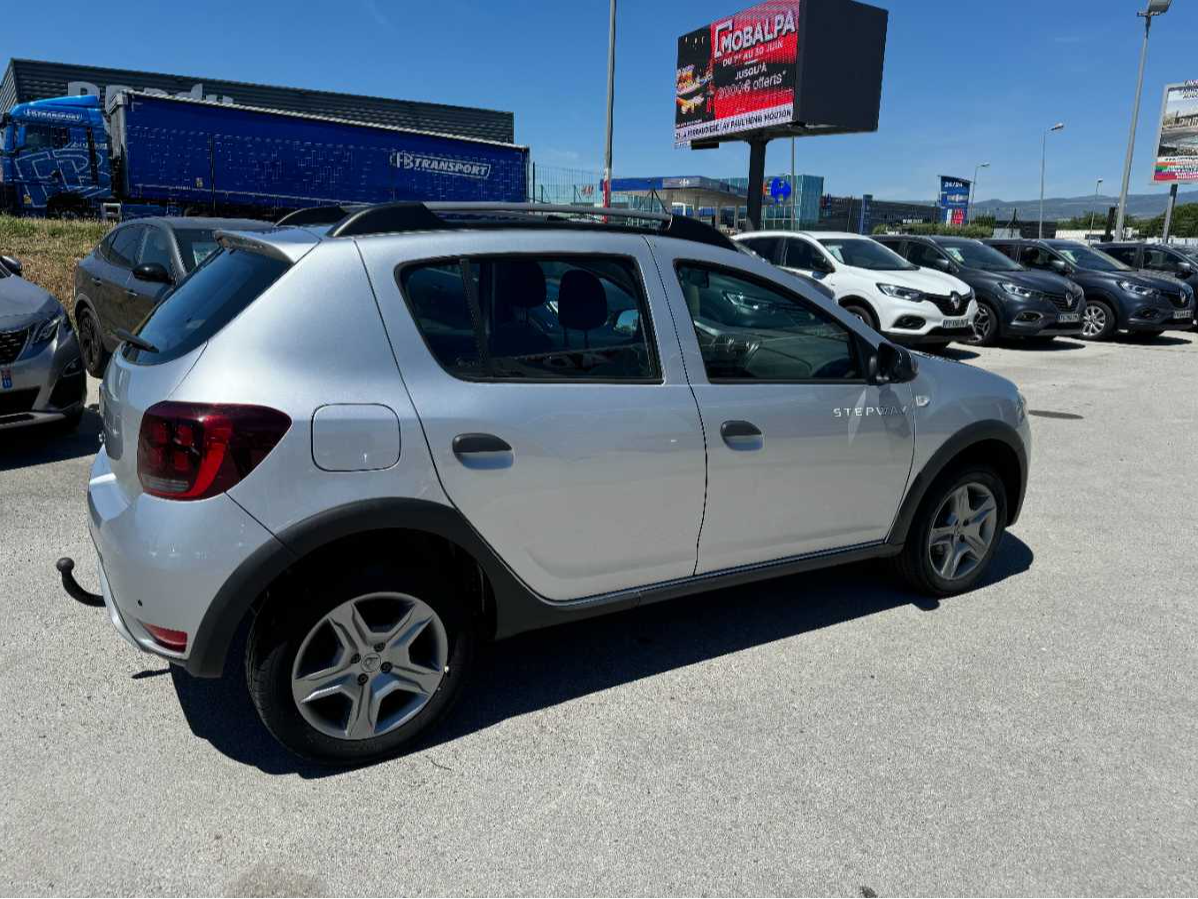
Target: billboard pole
1169 212
1155 8
611 90
756 180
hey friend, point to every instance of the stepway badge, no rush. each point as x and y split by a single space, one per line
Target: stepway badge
441 165
6 378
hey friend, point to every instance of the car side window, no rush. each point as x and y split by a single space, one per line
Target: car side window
923 255
1035 257
1156 259
1126 255
750 331
124 246
801 254
768 248
535 318
155 248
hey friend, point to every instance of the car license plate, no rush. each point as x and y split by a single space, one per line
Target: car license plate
1183 313
1066 318
955 323
5 379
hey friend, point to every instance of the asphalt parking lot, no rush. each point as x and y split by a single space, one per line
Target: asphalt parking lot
820 734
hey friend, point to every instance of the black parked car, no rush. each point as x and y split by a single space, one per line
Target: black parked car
1179 262
118 283
1118 297
1012 300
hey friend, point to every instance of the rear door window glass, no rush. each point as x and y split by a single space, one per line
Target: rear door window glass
156 249
768 248
125 245
205 302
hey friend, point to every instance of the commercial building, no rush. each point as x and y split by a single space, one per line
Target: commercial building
28 79
722 200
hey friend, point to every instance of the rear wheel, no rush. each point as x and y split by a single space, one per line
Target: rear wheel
91 347
355 670
1098 320
956 532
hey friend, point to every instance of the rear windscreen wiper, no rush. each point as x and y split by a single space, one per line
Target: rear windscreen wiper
136 341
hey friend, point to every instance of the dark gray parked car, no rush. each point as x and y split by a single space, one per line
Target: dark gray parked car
41 375
120 281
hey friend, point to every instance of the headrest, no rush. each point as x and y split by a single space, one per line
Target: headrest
581 302
521 283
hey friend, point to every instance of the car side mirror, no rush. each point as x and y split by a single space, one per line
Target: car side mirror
1185 269
823 266
153 271
628 322
943 264
892 365
1059 266
12 264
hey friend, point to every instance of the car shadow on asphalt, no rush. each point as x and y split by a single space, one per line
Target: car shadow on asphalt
22 447
548 667
957 353
1131 338
1055 345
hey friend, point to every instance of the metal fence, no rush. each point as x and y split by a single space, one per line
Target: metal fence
562 186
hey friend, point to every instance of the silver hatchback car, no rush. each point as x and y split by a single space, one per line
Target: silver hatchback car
371 438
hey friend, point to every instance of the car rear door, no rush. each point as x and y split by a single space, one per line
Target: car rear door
547 376
804 455
111 280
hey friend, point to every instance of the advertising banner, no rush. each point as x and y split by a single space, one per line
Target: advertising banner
738 73
954 199
1176 158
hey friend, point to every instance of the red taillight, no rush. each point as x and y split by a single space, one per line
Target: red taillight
167 638
197 450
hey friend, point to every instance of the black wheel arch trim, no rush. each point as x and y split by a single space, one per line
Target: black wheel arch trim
950 450
517 607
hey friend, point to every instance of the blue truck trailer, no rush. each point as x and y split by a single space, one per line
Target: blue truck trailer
150 154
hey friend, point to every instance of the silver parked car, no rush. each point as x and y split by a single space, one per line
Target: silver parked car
376 436
41 374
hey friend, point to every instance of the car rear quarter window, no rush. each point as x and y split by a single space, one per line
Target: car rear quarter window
556 318
124 245
204 302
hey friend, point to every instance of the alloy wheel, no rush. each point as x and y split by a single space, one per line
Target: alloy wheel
982 323
1094 320
370 665
962 531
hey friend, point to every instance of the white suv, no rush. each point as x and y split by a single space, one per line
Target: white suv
908 304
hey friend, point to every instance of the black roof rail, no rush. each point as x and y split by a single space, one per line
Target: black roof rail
392 218
316 215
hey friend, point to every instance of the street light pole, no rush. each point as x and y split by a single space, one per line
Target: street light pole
1155 8
972 185
1095 209
611 91
1043 155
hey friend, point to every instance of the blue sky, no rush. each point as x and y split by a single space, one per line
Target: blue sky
966 81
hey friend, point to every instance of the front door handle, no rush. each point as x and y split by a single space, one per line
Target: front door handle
130 292
476 444
741 435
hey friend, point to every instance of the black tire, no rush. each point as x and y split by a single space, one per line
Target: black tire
862 312
988 315
1104 311
914 563
280 628
91 346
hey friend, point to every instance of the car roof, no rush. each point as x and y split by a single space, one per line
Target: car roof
206 222
812 235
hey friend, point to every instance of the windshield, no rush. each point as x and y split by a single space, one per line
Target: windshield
977 255
1090 259
195 245
861 252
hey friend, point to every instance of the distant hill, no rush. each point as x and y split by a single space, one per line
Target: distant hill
1138 205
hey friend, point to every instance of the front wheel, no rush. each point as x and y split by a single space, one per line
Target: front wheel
355 670
1098 321
985 326
956 532
862 313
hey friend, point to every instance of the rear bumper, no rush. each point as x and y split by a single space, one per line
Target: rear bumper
151 569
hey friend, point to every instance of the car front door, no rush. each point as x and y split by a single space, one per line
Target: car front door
552 393
141 296
805 455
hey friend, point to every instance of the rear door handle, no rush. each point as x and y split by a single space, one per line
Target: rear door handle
97 282
475 444
741 434
129 291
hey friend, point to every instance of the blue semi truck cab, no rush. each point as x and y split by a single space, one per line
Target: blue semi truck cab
152 154
55 157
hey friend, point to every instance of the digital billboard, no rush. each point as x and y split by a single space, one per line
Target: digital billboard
954 199
1176 158
738 73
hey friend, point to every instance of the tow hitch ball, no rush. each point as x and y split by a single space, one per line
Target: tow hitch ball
66 567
